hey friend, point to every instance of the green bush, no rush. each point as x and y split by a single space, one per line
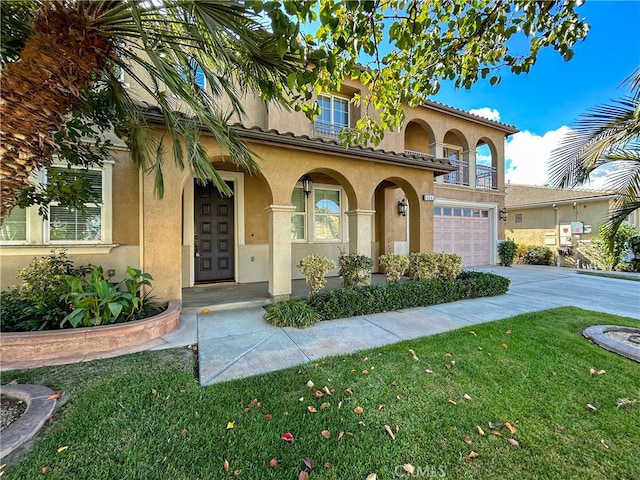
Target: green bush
539 255
291 313
507 252
395 265
37 303
315 268
99 302
355 270
343 303
425 265
625 239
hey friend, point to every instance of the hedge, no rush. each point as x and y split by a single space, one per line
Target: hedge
343 303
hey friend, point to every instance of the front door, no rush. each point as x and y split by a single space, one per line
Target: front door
213 241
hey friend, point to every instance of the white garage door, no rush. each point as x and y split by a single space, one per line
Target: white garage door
465 231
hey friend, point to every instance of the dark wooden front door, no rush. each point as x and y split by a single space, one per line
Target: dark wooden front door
214 239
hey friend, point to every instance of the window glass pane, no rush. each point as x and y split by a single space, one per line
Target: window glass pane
75 225
476 213
327 201
14 227
298 199
327 227
297 226
340 112
485 213
325 106
94 177
467 212
437 210
457 212
446 211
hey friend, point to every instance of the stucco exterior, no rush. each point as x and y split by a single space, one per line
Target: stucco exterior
160 235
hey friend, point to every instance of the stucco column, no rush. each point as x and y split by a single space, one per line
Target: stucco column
280 250
470 157
360 231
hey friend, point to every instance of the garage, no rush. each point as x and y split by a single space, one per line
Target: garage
465 231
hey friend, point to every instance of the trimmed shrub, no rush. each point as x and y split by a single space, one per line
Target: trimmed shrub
539 255
291 313
315 268
521 253
426 265
343 303
507 252
394 265
355 269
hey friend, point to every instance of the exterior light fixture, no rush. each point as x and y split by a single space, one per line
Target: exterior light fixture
503 214
306 185
402 208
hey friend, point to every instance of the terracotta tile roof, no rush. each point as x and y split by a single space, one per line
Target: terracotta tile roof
531 195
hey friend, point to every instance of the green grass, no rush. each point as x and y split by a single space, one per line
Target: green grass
145 416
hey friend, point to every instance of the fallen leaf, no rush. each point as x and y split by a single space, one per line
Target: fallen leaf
390 432
196 414
428 371
496 432
184 432
340 434
308 461
349 390
453 362
591 407
448 355
409 468
600 372
468 398
325 405
273 463
310 384
225 465
508 332
46 469
318 393
372 476
358 410
604 444
303 475
380 407
246 409
237 472
205 311
494 425
327 465
473 333
287 437
452 401
504 345
513 442
62 449
326 390
312 409
467 439
230 425
480 430
268 417
510 427
326 434
394 384
53 396
301 399
13 382
154 392
413 355
473 454
592 371
447 366
365 372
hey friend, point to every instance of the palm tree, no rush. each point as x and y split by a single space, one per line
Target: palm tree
606 136
53 52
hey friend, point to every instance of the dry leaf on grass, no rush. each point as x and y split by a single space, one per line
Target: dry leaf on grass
308 461
428 371
230 425
287 437
390 432
504 345
303 475
468 398
310 384
410 469
54 396
591 407
372 476
452 401
510 427
273 463
467 439
225 465
480 430
326 434
413 354
513 442
358 410
473 454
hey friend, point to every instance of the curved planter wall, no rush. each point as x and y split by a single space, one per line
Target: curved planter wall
35 349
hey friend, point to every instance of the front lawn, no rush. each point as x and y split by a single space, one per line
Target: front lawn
144 416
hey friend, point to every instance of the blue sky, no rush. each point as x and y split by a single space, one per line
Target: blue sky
555 93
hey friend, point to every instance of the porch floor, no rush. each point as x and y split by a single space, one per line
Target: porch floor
226 295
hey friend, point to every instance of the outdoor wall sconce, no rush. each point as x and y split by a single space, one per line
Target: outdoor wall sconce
503 214
402 208
306 185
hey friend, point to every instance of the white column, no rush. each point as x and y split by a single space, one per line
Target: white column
280 250
360 231
470 157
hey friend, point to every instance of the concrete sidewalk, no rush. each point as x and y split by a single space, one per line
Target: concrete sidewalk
240 343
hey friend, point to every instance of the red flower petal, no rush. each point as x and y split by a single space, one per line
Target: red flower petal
287 437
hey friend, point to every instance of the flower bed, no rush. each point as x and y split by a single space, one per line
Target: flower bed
35 349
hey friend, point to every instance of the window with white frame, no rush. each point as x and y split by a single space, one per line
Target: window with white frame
325 222
334 114
63 226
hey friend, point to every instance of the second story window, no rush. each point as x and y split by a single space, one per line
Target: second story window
334 115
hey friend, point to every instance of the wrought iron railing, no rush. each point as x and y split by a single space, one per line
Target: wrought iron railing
417 154
460 176
327 130
486 177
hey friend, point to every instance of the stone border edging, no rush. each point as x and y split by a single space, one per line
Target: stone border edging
597 334
38 411
55 347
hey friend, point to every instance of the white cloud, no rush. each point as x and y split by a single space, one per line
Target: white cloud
486 112
527 154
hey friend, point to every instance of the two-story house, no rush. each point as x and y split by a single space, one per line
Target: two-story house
421 189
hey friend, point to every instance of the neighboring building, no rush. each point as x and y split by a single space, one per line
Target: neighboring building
548 216
193 236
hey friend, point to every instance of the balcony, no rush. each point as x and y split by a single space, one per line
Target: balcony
417 154
486 177
460 176
328 130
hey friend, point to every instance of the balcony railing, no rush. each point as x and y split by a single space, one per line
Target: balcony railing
460 176
328 130
486 177
417 154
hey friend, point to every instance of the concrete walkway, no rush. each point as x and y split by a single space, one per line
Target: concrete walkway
240 343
